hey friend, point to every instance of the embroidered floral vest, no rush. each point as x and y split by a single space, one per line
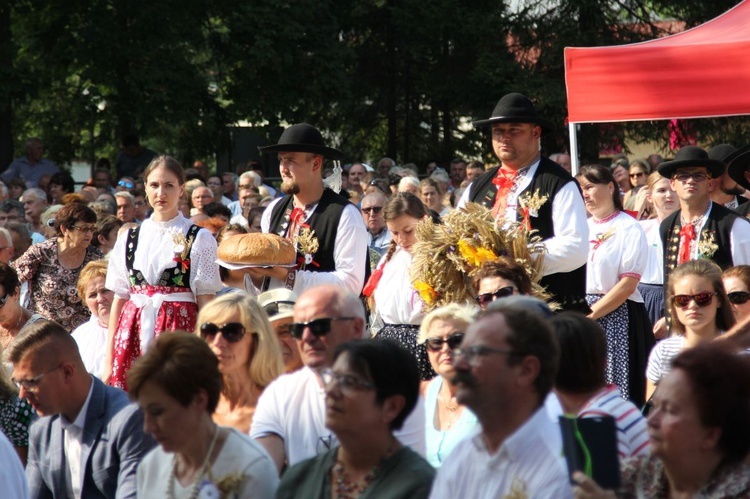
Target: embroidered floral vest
178 277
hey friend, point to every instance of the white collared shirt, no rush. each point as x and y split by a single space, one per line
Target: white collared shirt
529 463
73 443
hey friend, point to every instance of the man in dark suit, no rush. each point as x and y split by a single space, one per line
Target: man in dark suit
89 439
527 187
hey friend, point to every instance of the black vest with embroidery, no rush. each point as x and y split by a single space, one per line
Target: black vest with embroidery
324 221
719 225
177 277
567 288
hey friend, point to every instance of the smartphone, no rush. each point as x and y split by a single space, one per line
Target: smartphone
590 446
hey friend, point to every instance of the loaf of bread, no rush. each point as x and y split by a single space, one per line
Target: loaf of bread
257 249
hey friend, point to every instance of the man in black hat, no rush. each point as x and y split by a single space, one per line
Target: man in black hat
727 191
700 228
340 234
523 173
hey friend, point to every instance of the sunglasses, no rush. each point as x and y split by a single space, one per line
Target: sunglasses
701 299
698 177
374 210
436 344
125 184
318 327
486 298
637 175
738 297
232 332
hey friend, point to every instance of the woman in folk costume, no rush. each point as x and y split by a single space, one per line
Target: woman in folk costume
161 273
618 253
396 301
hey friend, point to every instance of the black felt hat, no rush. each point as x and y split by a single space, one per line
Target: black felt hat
303 138
739 165
516 108
691 156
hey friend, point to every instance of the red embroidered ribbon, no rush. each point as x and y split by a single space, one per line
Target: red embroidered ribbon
687 235
504 182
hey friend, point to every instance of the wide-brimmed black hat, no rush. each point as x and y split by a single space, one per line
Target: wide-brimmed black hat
691 156
516 108
303 138
739 165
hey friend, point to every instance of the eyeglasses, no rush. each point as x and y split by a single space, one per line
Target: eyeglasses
232 332
283 331
373 209
684 177
126 184
31 385
637 175
273 307
84 228
318 327
486 298
473 353
701 299
436 344
347 382
738 297
246 186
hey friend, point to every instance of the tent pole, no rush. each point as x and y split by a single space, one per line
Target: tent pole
574 162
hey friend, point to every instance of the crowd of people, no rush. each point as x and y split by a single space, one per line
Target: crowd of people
137 363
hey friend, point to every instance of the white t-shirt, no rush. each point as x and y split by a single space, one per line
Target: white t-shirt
293 407
239 455
91 338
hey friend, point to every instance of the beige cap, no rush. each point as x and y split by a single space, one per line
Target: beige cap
278 303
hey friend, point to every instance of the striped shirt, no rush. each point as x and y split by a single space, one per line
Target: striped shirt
661 356
632 434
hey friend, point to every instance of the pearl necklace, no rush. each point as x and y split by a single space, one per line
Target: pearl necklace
195 488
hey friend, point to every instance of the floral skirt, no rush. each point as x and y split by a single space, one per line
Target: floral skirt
406 336
629 341
172 316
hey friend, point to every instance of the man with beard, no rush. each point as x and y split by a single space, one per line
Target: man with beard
505 368
727 191
339 232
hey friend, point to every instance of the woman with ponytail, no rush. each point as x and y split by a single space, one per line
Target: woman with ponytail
392 297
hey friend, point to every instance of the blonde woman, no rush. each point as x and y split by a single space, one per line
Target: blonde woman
237 330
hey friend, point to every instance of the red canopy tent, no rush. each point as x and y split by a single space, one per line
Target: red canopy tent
699 73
